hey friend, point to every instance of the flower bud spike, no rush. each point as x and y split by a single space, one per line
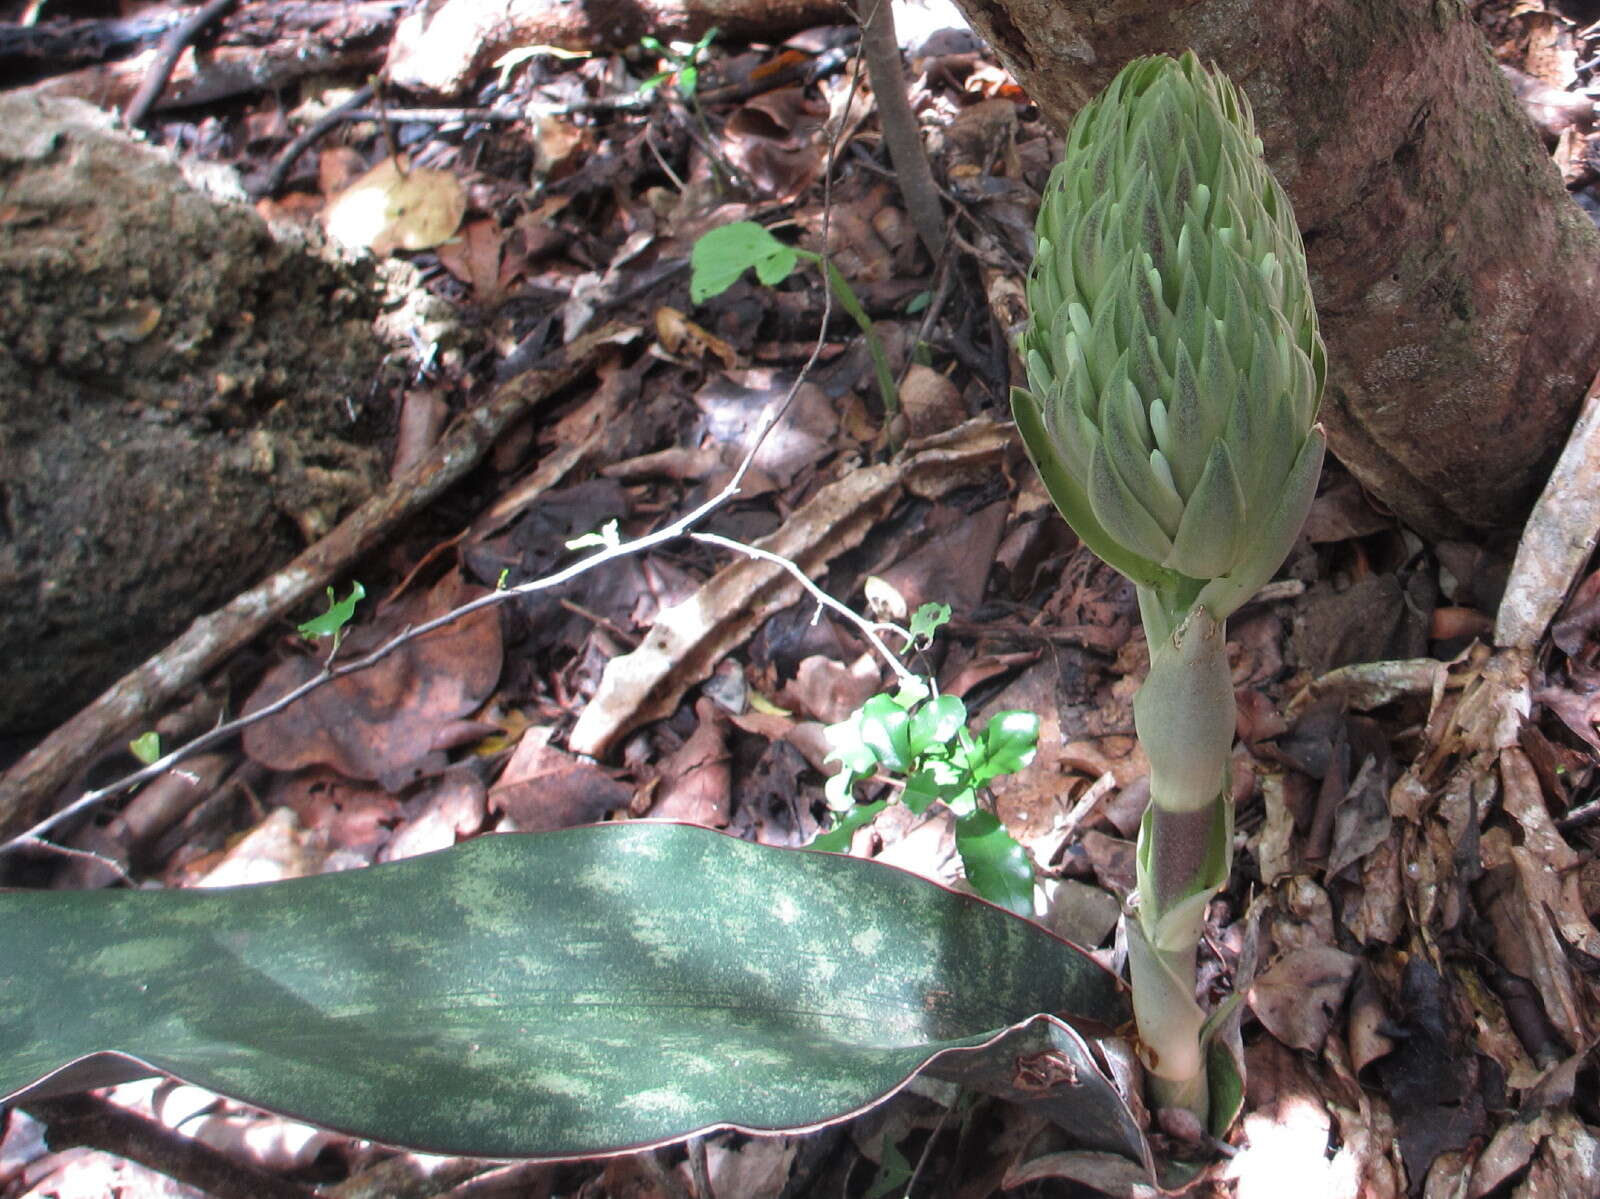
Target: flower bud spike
1174 333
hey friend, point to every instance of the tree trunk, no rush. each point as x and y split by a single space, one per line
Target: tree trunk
1458 285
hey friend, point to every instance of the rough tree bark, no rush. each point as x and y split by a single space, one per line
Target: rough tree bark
1458 285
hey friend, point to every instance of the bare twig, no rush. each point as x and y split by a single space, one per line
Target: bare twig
309 137
29 785
434 116
85 1120
871 630
161 70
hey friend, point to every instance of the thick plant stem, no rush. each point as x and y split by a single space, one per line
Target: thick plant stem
1185 718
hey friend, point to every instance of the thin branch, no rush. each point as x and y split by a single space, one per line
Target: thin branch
309 137
869 629
155 80
881 50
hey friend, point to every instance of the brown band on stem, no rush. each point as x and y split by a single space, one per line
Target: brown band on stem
1179 846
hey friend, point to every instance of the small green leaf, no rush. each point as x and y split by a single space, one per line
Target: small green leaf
936 782
928 619
688 78
607 538
935 723
894 1173
723 254
837 838
919 303
848 745
704 43
885 729
331 623
1010 740
913 690
837 790
996 866
146 747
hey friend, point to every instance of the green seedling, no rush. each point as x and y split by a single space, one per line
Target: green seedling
683 73
920 743
146 747
726 252
332 622
685 58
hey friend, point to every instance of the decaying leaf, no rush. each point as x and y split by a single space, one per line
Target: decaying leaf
395 207
392 721
544 788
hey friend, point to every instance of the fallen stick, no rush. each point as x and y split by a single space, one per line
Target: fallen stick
30 785
100 1124
173 45
256 48
443 49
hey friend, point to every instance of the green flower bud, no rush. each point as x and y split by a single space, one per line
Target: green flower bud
1174 364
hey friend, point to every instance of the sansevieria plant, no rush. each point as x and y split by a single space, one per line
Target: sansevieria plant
1174 372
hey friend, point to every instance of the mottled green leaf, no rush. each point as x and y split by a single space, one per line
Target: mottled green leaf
551 994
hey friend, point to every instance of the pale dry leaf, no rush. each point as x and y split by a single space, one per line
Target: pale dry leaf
1298 997
394 208
276 849
1558 538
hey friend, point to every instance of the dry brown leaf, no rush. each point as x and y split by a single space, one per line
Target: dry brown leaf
680 336
479 259
388 722
1298 997
394 208
829 690
555 144
950 563
450 809
354 817
772 139
733 404
543 788
696 781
